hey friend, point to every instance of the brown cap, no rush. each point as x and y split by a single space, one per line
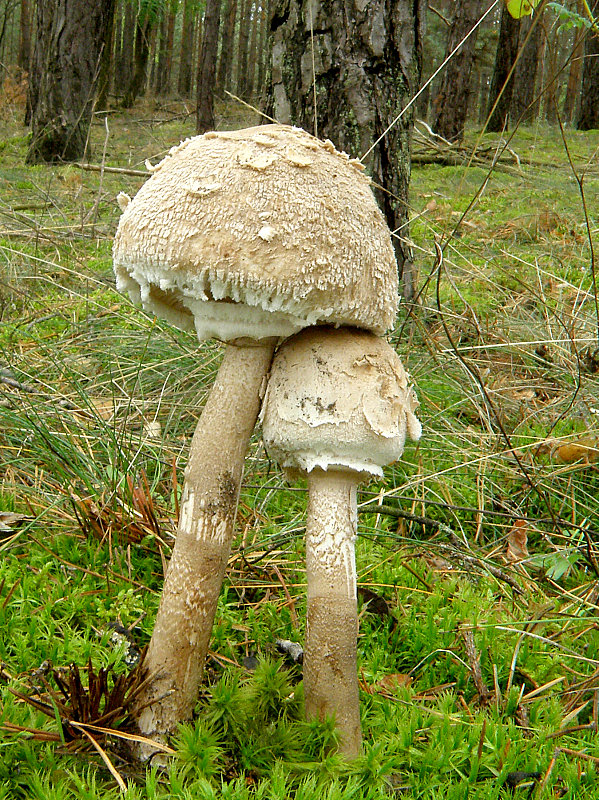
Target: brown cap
338 399
268 218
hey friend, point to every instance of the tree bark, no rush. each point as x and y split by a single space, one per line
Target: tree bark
24 36
106 67
186 57
253 55
588 114
141 55
125 46
367 63
70 37
575 71
525 76
242 47
205 108
225 62
500 93
263 51
450 105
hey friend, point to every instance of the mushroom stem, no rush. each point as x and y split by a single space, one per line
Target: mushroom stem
330 654
179 642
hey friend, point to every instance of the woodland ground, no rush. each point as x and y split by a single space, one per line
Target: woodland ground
478 558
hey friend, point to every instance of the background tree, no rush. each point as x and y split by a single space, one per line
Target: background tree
575 69
523 94
24 36
366 63
500 93
225 63
69 41
145 23
450 105
207 72
588 114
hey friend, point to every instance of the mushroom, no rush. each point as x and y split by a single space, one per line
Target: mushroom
247 236
337 408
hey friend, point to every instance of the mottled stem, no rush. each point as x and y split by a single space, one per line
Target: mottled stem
179 643
330 656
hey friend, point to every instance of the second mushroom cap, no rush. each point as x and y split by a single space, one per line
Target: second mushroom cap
338 398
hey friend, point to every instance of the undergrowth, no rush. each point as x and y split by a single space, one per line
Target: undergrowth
478 552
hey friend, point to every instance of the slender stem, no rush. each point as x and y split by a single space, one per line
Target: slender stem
330 654
179 643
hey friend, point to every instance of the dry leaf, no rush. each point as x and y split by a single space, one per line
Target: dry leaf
583 450
517 540
392 682
8 519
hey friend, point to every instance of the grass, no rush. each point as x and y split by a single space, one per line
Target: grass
478 553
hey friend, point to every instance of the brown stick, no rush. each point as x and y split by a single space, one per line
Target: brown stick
138 173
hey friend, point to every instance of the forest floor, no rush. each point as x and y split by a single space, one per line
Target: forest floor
478 555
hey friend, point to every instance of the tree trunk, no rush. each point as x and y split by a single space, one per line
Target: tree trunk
551 79
125 46
205 109
186 57
24 36
263 50
106 67
253 55
588 114
450 105
70 38
575 71
523 93
143 33
500 93
367 62
160 82
242 47
223 81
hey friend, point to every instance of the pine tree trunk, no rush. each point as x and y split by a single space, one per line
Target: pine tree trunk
141 55
588 114
186 57
242 47
225 62
450 106
575 71
106 67
162 46
263 50
205 109
550 83
525 76
500 93
70 37
253 53
367 62
24 36
125 46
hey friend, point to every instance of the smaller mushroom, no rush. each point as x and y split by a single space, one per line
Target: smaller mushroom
337 408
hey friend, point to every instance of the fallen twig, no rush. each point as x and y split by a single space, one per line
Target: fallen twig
138 173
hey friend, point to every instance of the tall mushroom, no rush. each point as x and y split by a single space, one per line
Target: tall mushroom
338 407
247 236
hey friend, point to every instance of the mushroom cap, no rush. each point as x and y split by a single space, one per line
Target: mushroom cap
268 217
337 398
